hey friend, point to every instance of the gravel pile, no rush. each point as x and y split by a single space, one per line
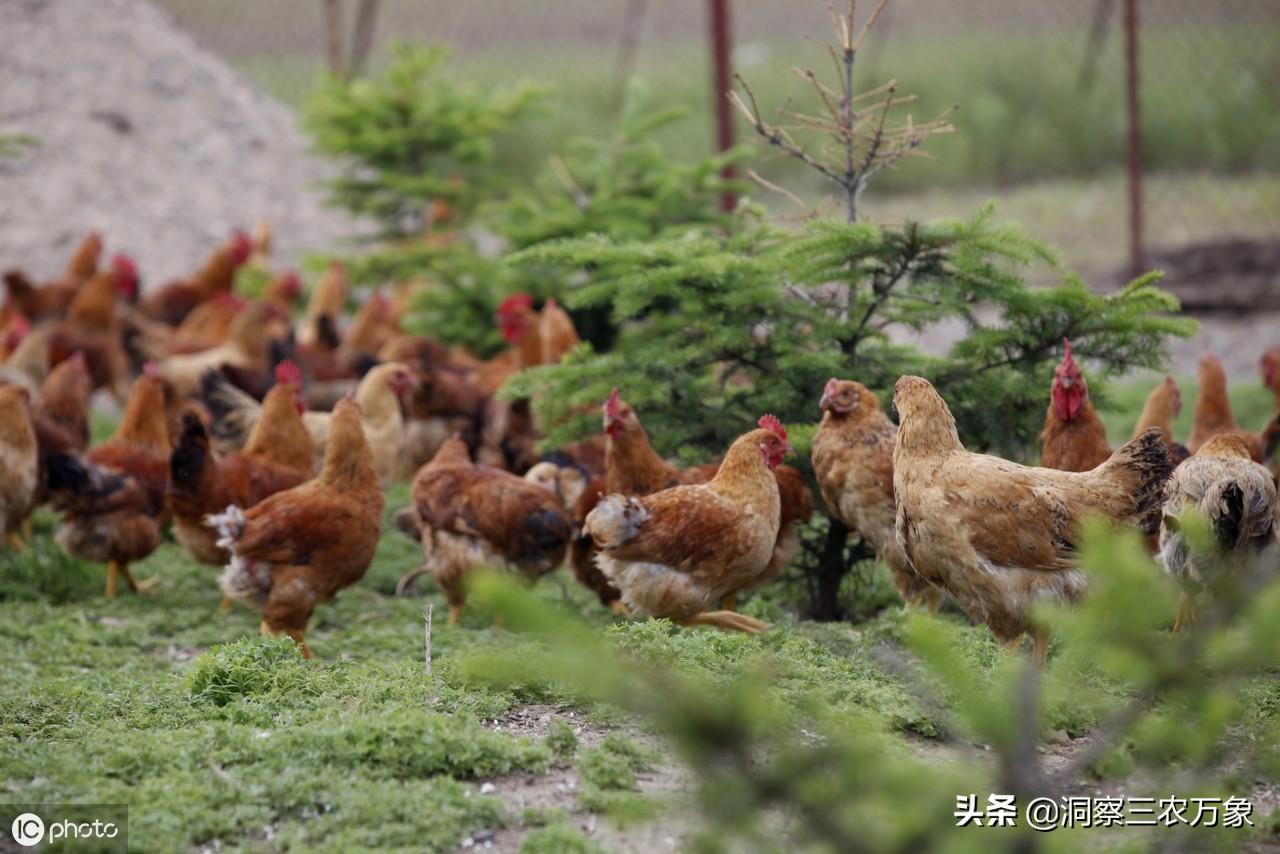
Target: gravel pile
146 137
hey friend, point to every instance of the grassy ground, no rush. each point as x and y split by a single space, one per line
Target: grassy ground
217 738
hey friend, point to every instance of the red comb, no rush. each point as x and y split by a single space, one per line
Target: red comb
830 387
611 405
1066 352
78 361
19 325
151 369
514 303
770 422
288 373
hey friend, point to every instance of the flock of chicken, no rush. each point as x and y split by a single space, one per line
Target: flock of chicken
267 446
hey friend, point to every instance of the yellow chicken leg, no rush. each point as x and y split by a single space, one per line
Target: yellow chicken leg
14 541
137 586
1040 652
1012 646
113 570
26 529
224 607
729 602
1186 612
620 608
455 614
299 637
728 621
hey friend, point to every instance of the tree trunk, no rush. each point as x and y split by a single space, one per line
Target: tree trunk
832 569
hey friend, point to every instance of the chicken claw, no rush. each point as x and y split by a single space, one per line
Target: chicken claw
728 621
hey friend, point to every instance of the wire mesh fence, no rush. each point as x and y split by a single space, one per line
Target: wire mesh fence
1040 86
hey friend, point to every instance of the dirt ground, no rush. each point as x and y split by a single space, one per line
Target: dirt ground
144 136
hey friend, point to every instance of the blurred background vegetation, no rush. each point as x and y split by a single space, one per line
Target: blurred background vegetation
1040 88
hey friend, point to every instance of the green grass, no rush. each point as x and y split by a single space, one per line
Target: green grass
1252 404
216 736
1022 114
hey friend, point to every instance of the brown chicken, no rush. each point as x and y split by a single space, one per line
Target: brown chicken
38 302
679 552
468 516
1161 408
852 456
328 300
283 290
112 499
998 536
60 417
247 346
1074 437
1236 496
92 326
277 456
18 462
1213 411
171 303
370 329
299 547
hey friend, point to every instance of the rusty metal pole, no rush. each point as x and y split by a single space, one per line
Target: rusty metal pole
721 46
1136 254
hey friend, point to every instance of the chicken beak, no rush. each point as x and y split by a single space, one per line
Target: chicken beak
824 403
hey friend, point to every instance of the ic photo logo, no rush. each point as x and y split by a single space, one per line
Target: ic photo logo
28 829
100 827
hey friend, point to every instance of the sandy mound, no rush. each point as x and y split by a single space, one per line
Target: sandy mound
145 136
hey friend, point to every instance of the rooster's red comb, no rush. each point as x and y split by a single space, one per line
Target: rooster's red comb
830 387
288 373
514 303
611 405
770 422
151 369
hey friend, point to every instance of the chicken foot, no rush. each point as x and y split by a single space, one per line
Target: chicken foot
727 621
298 636
117 569
1186 612
14 542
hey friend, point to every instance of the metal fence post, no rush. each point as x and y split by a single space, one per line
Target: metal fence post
720 49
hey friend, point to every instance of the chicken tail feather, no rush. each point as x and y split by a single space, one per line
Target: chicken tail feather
615 521
1139 469
242 579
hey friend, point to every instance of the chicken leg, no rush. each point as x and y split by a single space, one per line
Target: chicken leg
136 586
14 541
1186 612
729 602
727 621
620 608
298 636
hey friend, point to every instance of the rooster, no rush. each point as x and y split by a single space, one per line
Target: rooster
112 499
998 536
18 462
1237 497
277 456
92 326
853 460
679 552
469 515
1074 437
299 547
1213 415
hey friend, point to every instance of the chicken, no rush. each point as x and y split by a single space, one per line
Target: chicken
381 394
998 536
93 327
556 333
370 329
247 346
678 552
518 323
329 299
52 298
27 362
1236 496
444 402
172 302
60 417
1074 437
632 467
207 325
299 547
852 455
567 483
277 456
18 462
283 290
113 498
468 516
260 246
1162 406
1213 411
